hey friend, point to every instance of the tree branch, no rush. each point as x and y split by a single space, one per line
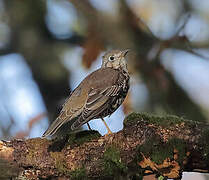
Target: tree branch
148 144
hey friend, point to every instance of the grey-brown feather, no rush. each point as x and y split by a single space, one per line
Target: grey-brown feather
105 87
109 99
97 96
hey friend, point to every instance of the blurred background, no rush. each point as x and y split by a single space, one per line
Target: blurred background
48 46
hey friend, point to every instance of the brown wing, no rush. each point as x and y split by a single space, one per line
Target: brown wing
72 108
99 84
99 97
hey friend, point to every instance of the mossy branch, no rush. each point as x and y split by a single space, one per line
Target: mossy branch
165 146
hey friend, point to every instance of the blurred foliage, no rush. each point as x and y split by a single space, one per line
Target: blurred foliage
96 31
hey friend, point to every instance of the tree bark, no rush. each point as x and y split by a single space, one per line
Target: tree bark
148 144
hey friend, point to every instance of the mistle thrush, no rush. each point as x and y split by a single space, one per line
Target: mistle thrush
97 96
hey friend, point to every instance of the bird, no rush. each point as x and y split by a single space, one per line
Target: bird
97 96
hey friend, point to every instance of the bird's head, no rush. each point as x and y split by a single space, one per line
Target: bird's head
115 59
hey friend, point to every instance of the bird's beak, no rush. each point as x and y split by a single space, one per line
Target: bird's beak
124 52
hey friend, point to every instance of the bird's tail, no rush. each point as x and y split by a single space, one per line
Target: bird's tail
53 127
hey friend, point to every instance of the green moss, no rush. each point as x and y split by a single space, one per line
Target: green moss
158 151
79 174
112 161
131 119
164 121
60 163
61 166
82 137
204 142
180 146
155 149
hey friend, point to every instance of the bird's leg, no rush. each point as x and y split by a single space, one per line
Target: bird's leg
108 129
89 126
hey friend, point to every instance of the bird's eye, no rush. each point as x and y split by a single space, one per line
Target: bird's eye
111 58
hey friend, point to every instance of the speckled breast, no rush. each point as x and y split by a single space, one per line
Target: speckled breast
116 101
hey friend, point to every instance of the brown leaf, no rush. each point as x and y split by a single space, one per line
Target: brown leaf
169 168
92 48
